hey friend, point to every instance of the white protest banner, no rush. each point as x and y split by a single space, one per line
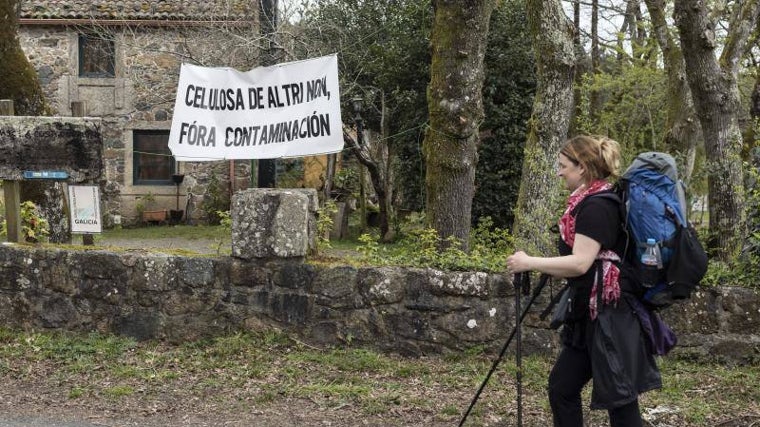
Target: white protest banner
85 209
287 110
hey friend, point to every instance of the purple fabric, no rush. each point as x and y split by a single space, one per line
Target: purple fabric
661 338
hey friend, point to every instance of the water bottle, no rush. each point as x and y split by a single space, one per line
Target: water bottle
651 263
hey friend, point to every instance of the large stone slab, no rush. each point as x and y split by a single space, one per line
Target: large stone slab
273 223
65 144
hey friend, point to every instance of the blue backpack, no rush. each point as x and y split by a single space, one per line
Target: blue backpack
654 207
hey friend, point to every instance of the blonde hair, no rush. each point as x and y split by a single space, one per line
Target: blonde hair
598 155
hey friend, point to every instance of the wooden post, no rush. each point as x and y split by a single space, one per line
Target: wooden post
11 190
6 107
79 109
12 196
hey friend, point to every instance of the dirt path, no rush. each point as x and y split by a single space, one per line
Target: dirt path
43 405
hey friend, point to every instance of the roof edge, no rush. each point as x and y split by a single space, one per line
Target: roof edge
132 22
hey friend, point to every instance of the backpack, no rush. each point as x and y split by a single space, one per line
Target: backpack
653 205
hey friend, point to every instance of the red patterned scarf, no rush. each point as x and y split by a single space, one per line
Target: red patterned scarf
610 272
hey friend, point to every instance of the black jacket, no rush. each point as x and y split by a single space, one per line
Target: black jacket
622 361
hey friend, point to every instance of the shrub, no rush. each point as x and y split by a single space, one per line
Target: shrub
216 199
34 228
418 247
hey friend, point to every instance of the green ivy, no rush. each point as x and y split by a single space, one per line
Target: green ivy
752 246
745 269
508 90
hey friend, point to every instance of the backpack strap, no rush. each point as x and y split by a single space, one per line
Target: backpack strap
607 194
615 196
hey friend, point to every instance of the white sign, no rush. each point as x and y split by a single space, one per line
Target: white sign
85 209
287 110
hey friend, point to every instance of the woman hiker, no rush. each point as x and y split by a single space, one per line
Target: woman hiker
601 337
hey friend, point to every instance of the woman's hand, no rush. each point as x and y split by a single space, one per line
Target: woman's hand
585 250
518 262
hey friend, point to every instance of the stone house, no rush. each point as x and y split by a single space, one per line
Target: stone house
119 60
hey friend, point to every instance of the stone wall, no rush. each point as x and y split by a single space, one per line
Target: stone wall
267 283
411 311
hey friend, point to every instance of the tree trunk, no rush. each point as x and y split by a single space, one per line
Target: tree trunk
329 176
716 98
683 131
379 184
384 155
634 30
458 40
595 101
540 201
579 72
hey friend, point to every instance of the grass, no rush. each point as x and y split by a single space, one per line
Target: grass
191 232
268 368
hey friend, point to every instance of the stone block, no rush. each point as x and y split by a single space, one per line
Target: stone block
456 283
340 221
699 314
336 287
382 285
68 144
291 308
741 308
245 273
57 312
482 322
273 223
138 324
293 275
197 272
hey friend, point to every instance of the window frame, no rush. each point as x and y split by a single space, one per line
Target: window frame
108 52
137 153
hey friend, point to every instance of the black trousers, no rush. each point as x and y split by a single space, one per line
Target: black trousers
570 373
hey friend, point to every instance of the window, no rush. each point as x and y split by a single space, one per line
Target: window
152 162
97 56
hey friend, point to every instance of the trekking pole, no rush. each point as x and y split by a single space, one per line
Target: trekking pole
518 279
541 283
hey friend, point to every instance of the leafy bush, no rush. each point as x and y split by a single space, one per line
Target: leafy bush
419 248
346 184
325 224
34 228
741 272
225 221
216 199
